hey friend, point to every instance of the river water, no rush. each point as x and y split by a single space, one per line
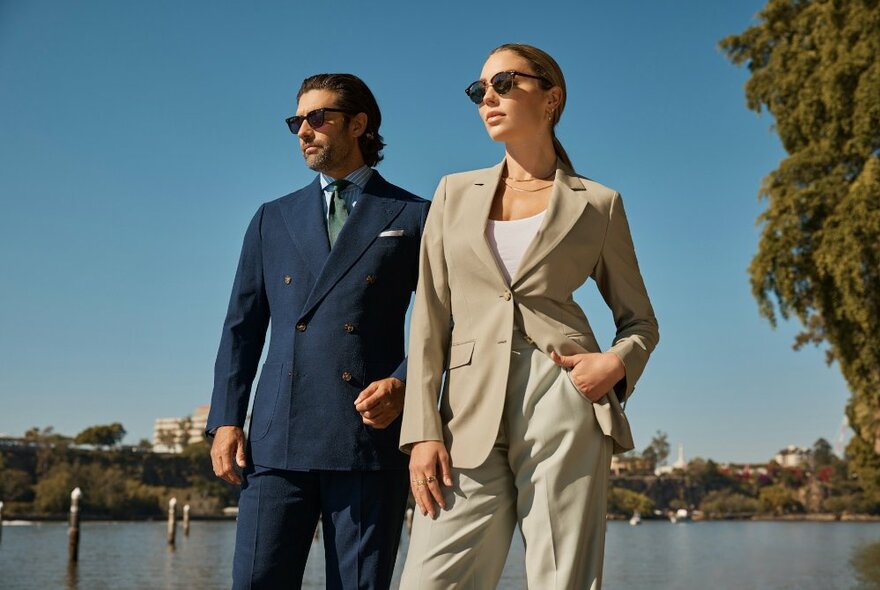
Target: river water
653 555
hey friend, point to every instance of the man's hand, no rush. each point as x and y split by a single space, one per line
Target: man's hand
381 402
593 373
227 452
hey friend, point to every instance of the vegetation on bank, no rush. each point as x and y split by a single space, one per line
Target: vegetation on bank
38 472
824 484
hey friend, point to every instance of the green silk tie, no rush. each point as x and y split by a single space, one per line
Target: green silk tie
338 209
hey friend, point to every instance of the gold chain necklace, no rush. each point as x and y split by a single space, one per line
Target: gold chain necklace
548 177
526 190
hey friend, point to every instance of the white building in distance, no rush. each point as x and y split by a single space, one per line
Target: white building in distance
680 464
792 456
171 435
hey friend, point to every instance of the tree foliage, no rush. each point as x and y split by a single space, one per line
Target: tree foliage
815 66
624 501
657 451
779 499
102 435
727 503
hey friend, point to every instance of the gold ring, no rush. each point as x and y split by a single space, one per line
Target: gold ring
420 482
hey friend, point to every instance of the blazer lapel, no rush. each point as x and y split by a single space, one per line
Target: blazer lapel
369 217
479 203
303 216
567 203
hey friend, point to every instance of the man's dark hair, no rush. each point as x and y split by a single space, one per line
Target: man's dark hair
353 96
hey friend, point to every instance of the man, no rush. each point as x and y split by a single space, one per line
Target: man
333 266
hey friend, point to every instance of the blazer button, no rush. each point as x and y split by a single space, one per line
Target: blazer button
346 376
287 279
301 327
349 328
371 279
506 295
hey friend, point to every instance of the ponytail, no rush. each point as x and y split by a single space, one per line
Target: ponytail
560 151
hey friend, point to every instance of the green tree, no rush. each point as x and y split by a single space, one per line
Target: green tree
778 500
15 484
185 425
52 492
45 435
822 454
102 435
624 501
168 439
815 66
725 502
658 450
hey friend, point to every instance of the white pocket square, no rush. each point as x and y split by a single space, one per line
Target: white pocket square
391 233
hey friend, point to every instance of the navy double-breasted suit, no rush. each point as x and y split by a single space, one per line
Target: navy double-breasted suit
337 324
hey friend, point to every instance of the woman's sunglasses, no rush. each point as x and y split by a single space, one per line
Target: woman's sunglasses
502 82
315 118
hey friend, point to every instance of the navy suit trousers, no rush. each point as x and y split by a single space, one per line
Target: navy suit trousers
362 514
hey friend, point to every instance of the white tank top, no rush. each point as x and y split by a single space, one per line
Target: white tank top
509 240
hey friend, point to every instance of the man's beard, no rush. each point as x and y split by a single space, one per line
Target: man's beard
326 158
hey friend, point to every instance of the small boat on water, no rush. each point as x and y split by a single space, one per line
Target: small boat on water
18 523
635 519
680 515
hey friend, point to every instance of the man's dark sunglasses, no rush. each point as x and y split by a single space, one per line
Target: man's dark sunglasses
502 82
315 119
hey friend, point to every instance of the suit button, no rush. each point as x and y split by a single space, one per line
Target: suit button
371 279
506 296
287 279
346 376
301 327
349 328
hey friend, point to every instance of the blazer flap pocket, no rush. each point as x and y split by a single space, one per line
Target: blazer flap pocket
460 354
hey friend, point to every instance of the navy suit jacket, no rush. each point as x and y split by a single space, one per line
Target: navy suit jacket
337 321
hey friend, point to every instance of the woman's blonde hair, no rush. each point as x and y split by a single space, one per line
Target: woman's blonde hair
546 67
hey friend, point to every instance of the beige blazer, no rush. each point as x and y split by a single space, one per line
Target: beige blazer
464 312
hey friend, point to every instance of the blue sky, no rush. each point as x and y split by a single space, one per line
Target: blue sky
139 138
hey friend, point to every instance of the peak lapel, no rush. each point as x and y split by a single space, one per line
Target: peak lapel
479 203
369 217
303 216
567 203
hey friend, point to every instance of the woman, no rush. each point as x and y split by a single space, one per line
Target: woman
530 412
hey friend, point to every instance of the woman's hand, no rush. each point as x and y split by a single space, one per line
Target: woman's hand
593 373
428 464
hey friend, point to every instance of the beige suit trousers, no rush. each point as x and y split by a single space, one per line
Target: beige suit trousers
547 471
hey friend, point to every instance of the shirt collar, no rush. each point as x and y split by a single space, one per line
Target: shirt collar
358 177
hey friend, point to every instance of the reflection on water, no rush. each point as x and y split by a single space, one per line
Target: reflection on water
71 580
655 555
866 563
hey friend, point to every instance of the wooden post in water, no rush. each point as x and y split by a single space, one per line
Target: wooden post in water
186 520
172 522
73 526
